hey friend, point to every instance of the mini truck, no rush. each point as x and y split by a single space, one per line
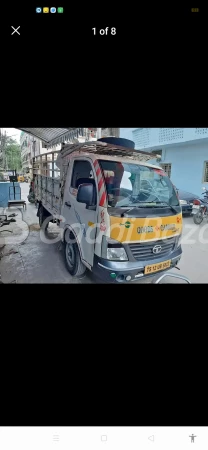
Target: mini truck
118 215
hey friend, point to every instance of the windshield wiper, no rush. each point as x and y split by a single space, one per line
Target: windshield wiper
149 203
168 204
128 210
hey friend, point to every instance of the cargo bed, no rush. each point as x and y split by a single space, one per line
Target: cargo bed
47 180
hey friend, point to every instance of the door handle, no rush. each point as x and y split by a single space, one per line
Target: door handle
68 204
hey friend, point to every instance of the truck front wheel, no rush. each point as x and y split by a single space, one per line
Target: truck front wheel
72 257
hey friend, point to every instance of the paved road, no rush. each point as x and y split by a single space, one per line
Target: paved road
194 261
34 261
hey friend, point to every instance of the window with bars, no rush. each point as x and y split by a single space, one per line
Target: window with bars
167 169
205 177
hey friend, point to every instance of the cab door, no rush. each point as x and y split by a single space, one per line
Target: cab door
81 219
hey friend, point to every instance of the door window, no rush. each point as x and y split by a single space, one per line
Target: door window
82 170
82 173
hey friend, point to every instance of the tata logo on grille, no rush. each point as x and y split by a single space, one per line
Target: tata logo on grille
157 249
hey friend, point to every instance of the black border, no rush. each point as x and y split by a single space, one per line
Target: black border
148 75
129 357
137 357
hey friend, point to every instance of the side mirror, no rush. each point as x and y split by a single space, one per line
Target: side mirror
86 194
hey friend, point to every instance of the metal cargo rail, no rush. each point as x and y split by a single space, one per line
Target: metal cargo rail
102 148
47 180
50 179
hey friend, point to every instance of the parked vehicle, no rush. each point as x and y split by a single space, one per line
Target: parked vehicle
119 216
186 200
200 208
21 178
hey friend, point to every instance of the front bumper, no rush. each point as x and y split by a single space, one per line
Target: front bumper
103 268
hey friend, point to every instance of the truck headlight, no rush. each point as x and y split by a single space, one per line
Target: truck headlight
113 250
116 254
178 240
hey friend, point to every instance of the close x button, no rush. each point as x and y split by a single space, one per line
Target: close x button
15 30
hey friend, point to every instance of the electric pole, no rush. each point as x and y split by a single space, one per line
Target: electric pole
98 133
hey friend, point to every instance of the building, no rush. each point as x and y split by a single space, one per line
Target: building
26 144
30 147
105 132
183 153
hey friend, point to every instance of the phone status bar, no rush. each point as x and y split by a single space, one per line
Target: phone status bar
51 10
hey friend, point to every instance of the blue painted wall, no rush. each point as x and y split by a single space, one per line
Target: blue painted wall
127 133
186 158
187 166
154 162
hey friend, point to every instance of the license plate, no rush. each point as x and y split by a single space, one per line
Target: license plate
196 207
156 267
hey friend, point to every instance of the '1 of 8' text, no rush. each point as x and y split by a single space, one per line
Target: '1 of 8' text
104 31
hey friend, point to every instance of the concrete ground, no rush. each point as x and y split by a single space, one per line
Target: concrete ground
25 258
32 261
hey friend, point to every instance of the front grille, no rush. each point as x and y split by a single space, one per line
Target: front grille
144 251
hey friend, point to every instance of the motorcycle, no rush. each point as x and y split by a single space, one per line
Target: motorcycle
200 208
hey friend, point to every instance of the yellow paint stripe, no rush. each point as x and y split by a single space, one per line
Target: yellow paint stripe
133 231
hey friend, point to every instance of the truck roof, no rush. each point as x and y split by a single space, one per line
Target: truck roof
125 160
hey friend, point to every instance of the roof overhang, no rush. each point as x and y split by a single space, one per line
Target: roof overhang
54 136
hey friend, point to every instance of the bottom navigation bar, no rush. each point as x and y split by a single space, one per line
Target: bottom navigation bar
110 438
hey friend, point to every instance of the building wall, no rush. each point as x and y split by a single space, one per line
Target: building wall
26 143
186 149
187 165
30 147
158 137
127 133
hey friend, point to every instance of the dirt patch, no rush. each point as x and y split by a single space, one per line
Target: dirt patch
34 227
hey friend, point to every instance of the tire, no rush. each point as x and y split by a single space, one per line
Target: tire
72 258
42 217
198 218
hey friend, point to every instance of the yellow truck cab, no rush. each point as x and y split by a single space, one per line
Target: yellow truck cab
119 216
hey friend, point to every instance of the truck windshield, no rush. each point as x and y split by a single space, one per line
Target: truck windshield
136 185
